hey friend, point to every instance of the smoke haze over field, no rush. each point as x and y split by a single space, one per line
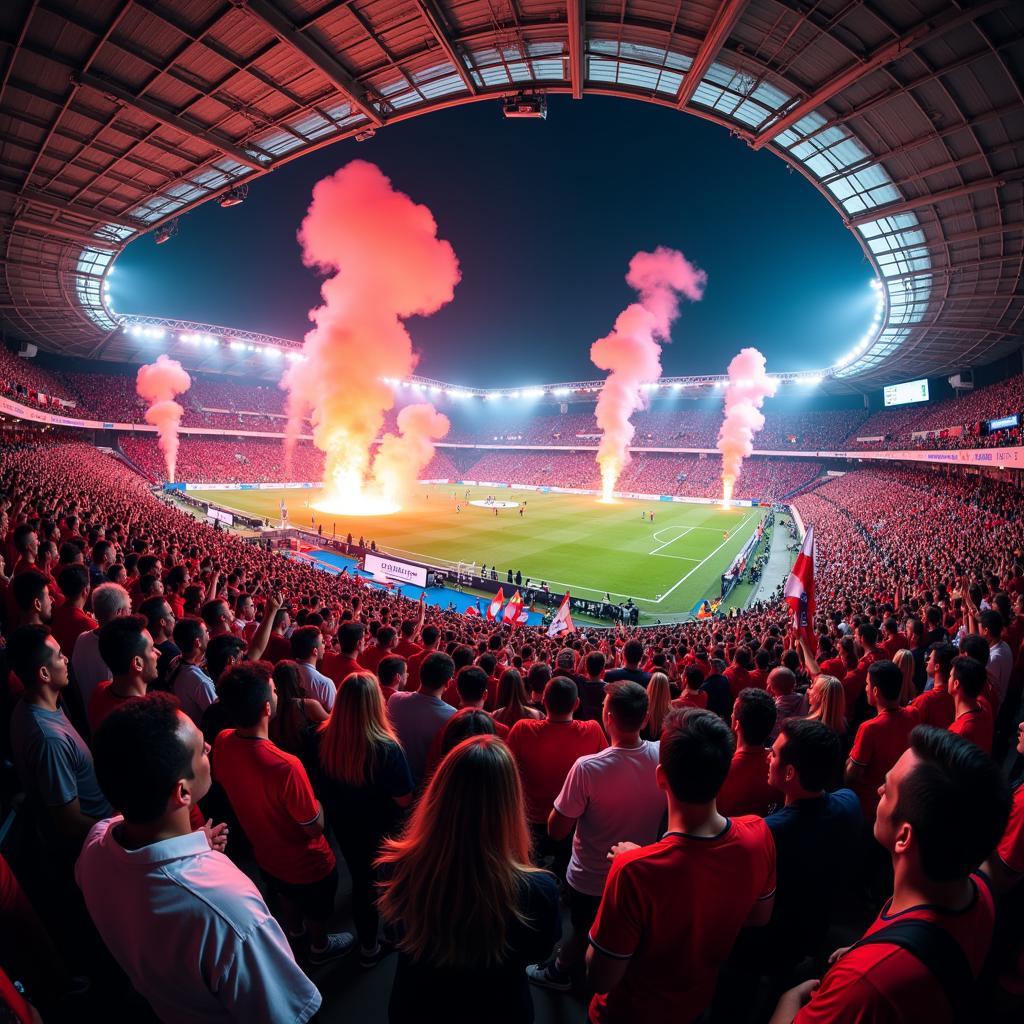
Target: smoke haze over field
749 385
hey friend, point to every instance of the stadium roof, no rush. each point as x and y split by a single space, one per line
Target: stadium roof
116 116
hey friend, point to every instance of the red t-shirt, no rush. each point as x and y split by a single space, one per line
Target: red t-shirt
884 984
278 649
337 666
934 707
976 726
879 745
674 910
407 648
897 642
434 752
1011 846
270 792
544 752
834 667
371 658
691 699
68 623
746 789
739 678
101 703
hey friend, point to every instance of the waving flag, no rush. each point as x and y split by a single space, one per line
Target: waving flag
562 622
514 610
799 590
472 611
494 608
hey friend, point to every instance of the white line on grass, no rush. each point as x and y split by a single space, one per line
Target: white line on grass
680 536
699 564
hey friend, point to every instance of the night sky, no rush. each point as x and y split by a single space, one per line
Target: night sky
544 217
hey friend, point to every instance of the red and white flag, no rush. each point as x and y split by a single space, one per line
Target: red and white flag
515 613
494 608
472 611
799 590
562 622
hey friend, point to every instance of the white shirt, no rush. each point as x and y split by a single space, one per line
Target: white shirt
195 691
89 668
318 686
613 796
191 931
999 668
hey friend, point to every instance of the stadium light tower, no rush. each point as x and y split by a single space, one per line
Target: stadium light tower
167 232
234 196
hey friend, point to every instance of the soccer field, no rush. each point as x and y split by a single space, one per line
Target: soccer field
571 541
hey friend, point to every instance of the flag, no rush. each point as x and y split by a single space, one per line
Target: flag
494 608
514 610
799 590
562 622
472 611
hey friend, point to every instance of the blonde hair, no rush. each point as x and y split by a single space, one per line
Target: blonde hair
659 700
904 661
453 880
831 703
357 732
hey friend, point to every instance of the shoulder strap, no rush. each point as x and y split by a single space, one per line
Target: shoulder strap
938 951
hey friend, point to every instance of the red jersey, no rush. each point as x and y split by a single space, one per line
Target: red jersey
278 649
834 667
746 789
674 910
270 792
885 984
691 699
434 752
975 725
739 679
544 752
67 623
1011 846
369 659
101 703
897 642
934 707
879 745
337 666
407 648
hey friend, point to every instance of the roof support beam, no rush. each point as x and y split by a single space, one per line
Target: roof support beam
160 113
289 34
432 15
886 54
577 20
58 205
890 209
23 224
721 28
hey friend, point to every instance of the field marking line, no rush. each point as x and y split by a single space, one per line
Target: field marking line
680 536
432 559
678 558
699 564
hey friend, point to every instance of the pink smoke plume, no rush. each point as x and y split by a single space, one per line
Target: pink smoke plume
749 385
158 383
385 263
401 456
632 352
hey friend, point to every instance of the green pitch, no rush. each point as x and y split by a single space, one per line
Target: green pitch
571 541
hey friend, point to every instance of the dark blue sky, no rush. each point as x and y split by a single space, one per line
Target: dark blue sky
544 217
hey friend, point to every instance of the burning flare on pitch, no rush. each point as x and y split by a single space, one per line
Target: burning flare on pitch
158 383
632 352
748 386
385 263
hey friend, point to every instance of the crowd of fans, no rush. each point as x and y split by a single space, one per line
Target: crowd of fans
672 422
666 822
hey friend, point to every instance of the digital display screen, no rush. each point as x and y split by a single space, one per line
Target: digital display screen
1004 422
903 394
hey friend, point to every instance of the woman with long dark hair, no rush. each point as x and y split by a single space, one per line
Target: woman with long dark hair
360 772
469 909
296 713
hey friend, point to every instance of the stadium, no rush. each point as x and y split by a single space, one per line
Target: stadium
553 559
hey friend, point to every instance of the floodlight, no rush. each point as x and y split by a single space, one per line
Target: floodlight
234 196
166 232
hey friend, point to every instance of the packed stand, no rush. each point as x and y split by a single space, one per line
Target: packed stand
720 820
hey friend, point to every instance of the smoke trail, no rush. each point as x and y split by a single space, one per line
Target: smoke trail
632 352
745 393
158 383
385 263
401 456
